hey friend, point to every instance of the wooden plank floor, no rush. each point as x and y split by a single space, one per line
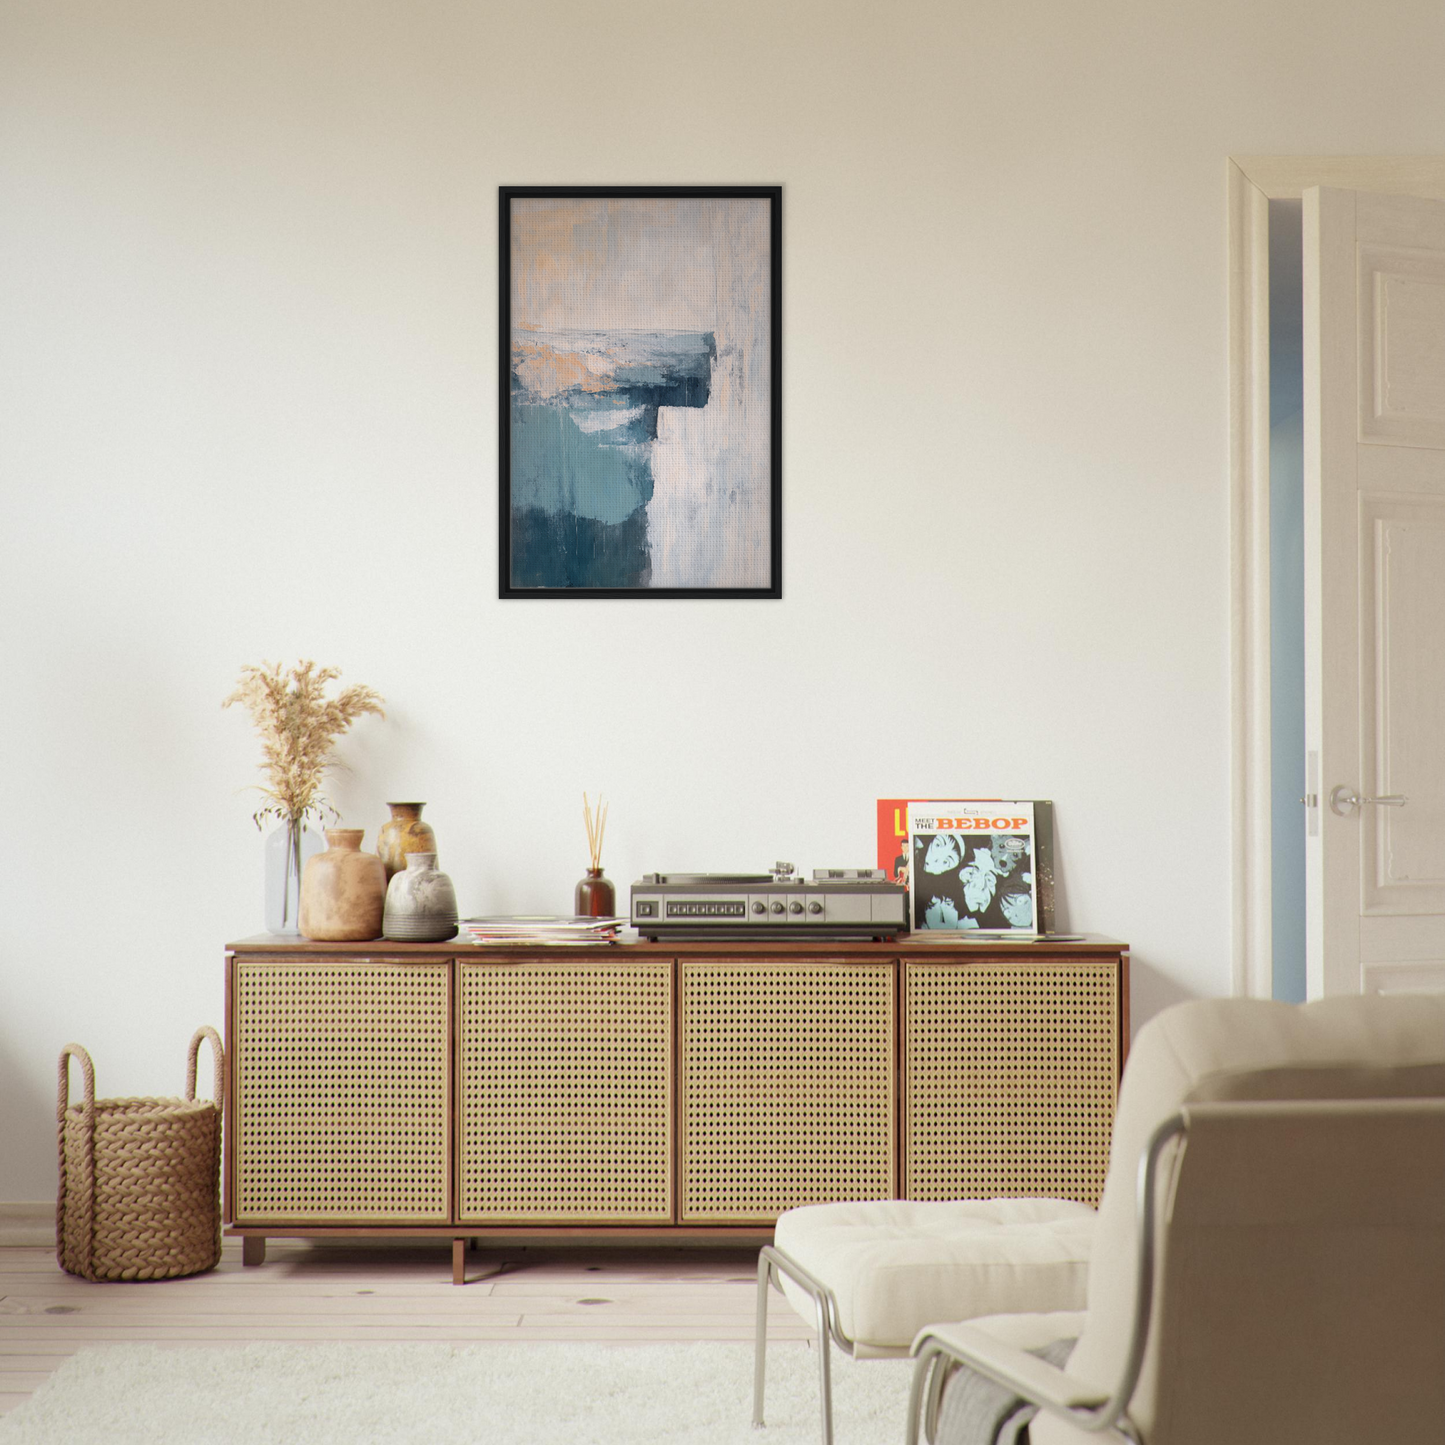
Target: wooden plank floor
381 1292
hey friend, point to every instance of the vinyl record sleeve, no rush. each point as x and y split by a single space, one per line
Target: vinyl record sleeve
895 858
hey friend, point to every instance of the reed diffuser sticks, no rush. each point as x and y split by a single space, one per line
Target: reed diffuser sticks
596 827
595 896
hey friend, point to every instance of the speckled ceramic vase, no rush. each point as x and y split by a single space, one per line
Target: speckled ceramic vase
421 904
404 833
343 890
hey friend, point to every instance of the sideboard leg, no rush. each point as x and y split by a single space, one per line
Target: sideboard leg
459 1261
253 1249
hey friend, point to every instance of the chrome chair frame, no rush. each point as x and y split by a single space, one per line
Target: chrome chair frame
771 1264
937 1358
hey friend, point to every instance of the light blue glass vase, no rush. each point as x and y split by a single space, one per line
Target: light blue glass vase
287 849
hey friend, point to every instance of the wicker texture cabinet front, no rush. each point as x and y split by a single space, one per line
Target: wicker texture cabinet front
787 1086
341 1092
652 1089
1010 1077
566 1092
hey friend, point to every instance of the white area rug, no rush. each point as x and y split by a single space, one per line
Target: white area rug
488 1394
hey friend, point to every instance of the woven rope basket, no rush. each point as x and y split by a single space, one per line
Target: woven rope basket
139 1178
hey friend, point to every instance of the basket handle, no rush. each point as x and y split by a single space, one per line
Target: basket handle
87 1070
218 1055
84 1186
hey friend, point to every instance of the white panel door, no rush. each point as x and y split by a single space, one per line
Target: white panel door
1374 277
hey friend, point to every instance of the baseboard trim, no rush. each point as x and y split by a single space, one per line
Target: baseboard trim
28 1223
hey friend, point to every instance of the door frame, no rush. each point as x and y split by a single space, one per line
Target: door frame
1254 181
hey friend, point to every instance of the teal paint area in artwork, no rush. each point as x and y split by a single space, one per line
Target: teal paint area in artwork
560 467
584 408
558 550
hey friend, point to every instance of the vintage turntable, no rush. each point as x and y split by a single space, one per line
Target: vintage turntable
834 903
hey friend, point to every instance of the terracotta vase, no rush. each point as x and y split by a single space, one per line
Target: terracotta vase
595 897
343 890
421 904
403 833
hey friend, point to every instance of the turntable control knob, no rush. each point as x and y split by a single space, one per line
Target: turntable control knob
759 906
777 908
815 907
783 870
795 907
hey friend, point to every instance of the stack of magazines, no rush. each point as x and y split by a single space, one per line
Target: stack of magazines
528 929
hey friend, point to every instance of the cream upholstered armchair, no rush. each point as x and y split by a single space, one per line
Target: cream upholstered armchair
870 1275
1269 1260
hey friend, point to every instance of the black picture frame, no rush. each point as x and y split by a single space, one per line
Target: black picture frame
531 561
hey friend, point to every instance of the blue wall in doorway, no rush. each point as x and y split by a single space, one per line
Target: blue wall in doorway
1286 597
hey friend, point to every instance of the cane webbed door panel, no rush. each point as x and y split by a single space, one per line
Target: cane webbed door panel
787 1076
565 1077
1010 1077
342 1083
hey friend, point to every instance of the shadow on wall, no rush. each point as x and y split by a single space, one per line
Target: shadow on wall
1151 991
27 1129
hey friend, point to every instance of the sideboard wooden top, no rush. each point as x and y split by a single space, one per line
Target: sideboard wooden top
912 945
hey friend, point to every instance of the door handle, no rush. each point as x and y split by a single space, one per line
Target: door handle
1344 800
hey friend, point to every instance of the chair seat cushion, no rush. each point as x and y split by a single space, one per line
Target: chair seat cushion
897 1265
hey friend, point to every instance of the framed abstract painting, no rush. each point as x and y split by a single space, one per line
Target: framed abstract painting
640 408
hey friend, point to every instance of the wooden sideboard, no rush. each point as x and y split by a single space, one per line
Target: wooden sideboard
657 1091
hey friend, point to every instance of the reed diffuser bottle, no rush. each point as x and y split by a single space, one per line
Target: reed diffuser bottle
595 896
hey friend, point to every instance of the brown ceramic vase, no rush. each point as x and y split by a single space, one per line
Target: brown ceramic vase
343 890
594 896
403 833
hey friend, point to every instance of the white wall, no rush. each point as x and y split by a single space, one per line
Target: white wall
247 330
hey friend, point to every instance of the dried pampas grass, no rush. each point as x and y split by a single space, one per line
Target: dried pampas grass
298 724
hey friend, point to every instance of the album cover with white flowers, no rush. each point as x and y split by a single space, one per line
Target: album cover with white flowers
984 865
